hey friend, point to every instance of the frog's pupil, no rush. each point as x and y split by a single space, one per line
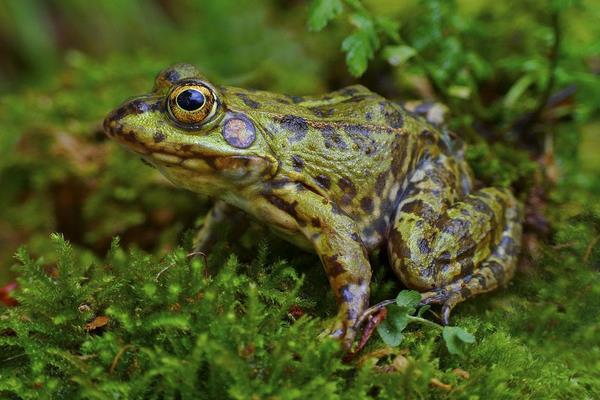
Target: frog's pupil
190 100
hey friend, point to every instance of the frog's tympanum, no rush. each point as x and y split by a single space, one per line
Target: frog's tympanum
340 174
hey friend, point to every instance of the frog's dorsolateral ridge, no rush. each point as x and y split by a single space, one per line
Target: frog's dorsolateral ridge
340 174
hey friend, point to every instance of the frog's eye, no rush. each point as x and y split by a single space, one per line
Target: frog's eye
192 104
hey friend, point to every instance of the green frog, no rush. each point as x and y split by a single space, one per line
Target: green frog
340 174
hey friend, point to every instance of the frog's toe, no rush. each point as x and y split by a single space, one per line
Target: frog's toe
342 331
434 297
447 299
448 305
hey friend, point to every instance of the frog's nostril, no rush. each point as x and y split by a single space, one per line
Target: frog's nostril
138 107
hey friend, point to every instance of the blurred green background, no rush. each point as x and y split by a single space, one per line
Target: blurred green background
521 79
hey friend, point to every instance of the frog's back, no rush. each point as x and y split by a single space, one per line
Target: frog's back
352 146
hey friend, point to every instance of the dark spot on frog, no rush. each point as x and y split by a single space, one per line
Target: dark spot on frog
172 75
348 91
497 270
334 267
380 183
366 203
354 236
424 246
323 181
428 136
481 206
393 117
322 112
357 129
361 136
355 99
466 266
137 107
297 163
295 125
130 137
367 232
332 138
345 294
157 106
368 115
400 155
465 292
159 137
118 114
283 205
380 226
509 246
336 210
248 101
445 257
296 99
347 187
316 222
278 183
387 207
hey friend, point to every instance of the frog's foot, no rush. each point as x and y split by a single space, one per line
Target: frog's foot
342 330
446 298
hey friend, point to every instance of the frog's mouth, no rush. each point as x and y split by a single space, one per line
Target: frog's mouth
206 161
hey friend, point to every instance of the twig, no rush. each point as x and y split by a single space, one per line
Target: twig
373 309
115 361
204 256
588 250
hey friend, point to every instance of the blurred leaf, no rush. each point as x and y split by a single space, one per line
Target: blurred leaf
408 300
360 46
391 328
517 90
456 338
397 55
389 26
321 12
461 92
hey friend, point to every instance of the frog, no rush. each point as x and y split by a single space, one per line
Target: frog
344 175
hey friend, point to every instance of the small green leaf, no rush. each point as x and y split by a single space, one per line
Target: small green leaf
321 12
391 328
459 91
397 55
423 310
456 338
517 90
389 27
360 46
408 300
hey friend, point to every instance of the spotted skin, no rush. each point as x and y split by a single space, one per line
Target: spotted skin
341 175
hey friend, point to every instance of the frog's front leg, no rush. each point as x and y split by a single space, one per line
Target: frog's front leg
213 229
334 237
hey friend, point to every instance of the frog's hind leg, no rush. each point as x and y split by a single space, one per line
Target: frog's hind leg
497 270
449 245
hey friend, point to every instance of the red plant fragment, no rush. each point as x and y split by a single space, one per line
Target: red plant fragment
98 322
5 296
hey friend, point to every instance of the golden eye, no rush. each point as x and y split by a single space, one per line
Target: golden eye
192 104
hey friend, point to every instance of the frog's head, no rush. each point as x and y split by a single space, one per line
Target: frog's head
185 129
